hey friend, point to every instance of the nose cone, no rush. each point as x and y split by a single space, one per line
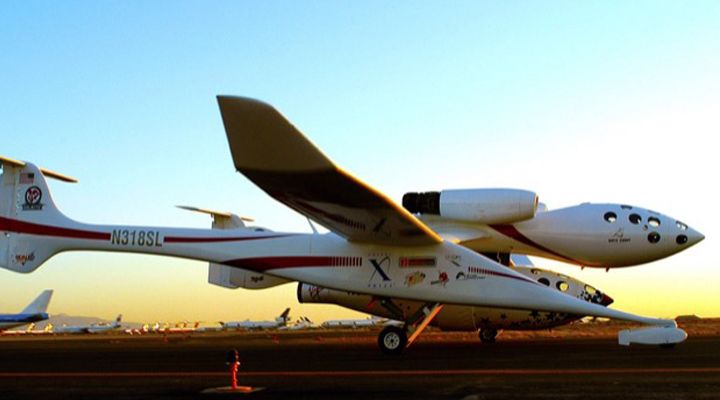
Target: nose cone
689 237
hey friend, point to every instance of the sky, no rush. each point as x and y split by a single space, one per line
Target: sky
600 101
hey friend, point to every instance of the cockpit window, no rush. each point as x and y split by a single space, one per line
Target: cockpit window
681 239
535 271
681 226
654 222
544 281
590 289
626 207
610 217
653 237
562 286
635 218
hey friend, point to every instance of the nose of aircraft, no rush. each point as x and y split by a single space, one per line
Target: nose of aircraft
688 236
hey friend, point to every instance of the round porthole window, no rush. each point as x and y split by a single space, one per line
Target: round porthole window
610 217
653 237
544 281
654 222
562 286
635 218
681 239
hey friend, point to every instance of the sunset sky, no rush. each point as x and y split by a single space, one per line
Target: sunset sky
599 101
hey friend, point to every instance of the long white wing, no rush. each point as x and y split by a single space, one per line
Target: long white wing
274 155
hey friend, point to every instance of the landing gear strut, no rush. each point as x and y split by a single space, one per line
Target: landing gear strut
393 339
487 335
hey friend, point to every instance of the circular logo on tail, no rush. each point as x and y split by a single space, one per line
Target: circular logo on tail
33 195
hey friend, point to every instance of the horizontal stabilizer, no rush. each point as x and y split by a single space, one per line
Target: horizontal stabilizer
46 172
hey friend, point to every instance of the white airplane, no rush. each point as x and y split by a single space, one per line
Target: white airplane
91 328
498 222
370 235
302 323
487 321
34 312
280 321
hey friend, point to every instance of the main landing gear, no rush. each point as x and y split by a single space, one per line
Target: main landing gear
487 335
393 340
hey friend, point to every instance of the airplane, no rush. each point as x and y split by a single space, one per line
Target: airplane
279 321
302 323
498 222
180 328
486 321
91 328
370 236
34 312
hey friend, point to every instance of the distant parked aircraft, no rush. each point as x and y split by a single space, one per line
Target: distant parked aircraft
91 328
34 312
281 320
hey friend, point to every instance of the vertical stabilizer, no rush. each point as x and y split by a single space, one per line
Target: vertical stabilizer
40 304
27 206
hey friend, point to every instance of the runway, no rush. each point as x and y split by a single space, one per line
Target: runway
348 365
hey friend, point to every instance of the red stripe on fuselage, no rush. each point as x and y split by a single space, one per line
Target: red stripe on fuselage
268 263
180 239
12 225
512 232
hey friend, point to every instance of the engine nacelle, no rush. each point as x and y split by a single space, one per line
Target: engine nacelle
485 206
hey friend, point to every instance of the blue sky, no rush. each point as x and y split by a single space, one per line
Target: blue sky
579 101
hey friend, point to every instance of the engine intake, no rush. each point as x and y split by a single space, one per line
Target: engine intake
486 206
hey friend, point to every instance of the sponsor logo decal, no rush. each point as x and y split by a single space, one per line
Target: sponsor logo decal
314 292
23 258
462 276
414 278
258 278
441 280
454 259
33 195
381 269
618 237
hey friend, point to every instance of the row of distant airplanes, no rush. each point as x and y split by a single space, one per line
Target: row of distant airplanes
456 259
36 311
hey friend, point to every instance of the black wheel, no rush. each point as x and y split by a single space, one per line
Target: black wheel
392 340
487 335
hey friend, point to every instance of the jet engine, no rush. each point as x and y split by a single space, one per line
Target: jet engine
485 206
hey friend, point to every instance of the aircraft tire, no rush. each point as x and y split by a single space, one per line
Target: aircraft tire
487 335
392 340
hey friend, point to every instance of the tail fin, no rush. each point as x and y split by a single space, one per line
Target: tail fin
26 206
40 304
118 320
284 317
